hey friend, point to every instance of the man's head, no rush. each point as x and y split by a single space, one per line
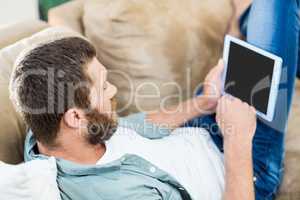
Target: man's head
61 86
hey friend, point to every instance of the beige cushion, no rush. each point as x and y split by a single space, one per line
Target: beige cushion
12 127
57 15
149 46
291 183
9 34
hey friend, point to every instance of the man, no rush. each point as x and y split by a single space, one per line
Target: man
69 106
63 94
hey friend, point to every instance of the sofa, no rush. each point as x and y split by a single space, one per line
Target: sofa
157 44
148 41
12 127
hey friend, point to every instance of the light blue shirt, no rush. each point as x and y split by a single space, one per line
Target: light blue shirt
131 177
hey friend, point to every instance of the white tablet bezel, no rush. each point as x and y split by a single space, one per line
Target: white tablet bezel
275 79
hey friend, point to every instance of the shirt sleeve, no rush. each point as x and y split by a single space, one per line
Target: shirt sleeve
144 128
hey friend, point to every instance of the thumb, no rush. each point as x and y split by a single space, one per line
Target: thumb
220 65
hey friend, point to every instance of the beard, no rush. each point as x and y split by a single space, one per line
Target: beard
114 115
101 127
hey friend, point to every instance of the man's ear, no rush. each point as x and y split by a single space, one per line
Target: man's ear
74 117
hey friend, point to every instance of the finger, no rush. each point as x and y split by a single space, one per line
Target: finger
252 109
237 102
226 103
220 66
231 101
221 62
221 105
214 90
218 109
246 105
219 116
211 74
235 99
229 97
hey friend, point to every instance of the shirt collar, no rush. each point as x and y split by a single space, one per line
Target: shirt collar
68 167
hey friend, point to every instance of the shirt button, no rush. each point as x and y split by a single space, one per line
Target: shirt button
152 169
254 179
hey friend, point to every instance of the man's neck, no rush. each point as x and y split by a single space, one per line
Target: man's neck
75 150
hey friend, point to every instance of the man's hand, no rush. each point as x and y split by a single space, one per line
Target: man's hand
213 85
237 121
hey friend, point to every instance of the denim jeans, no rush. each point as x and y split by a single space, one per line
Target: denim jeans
272 25
243 26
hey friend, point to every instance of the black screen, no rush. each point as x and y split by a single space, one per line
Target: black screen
249 76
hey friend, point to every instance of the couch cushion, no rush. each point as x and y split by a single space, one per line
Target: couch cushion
12 33
157 51
290 188
12 127
57 15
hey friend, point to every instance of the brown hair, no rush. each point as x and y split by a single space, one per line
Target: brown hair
48 81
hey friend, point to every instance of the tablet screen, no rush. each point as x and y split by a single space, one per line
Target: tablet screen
249 76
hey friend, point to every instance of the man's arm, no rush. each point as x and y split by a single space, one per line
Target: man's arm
239 173
176 116
237 121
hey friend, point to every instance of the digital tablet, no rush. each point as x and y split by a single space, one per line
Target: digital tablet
252 75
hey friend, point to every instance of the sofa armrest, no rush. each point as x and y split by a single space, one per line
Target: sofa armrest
12 33
73 19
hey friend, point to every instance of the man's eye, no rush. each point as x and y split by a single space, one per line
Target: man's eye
105 86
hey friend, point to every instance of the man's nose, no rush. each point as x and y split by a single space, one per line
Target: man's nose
113 89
